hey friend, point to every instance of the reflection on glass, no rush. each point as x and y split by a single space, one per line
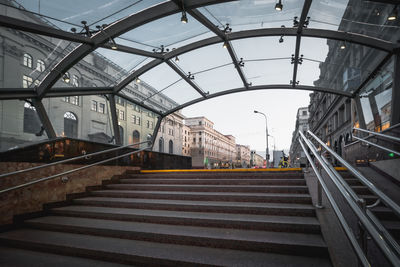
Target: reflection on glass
376 98
356 16
20 124
252 14
336 64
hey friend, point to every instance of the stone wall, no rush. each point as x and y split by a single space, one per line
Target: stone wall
31 199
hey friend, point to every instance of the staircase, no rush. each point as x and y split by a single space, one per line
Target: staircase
170 219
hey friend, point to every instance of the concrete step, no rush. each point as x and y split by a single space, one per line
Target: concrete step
22 258
147 253
263 241
223 220
216 175
208 196
286 209
213 188
361 189
241 181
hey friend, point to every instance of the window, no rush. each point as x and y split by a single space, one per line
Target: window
40 65
121 134
148 124
31 120
75 81
94 105
199 122
70 125
74 100
121 115
304 112
26 81
120 101
136 138
171 147
161 145
152 125
27 60
102 108
138 120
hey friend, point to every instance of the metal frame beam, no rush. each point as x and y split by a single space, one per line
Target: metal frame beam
44 118
207 23
258 87
158 124
139 103
116 29
304 13
315 33
395 117
186 78
114 119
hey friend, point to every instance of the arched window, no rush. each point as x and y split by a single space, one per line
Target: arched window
70 125
161 145
136 138
31 119
171 147
27 60
40 65
121 134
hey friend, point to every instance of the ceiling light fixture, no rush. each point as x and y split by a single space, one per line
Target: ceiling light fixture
279 6
66 77
393 15
343 46
225 45
281 39
176 59
184 18
138 80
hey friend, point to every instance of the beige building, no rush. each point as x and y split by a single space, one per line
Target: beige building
242 156
209 148
169 137
185 140
256 160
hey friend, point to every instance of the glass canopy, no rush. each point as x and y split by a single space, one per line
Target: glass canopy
165 55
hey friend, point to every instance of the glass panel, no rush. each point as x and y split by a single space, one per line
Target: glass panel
168 31
82 117
336 64
219 79
264 65
29 57
19 124
274 71
252 14
376 98
135 122
58 14
357 16
173 95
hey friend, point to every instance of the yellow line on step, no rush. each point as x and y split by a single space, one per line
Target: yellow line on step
341 168
225 170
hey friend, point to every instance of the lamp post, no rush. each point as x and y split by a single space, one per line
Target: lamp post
266 136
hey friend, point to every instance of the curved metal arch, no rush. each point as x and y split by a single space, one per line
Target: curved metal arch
117 28
255 88
314 33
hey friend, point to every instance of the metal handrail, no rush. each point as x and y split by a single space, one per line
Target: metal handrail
393 138
71 159
376 145
73 170
386 248
385 199
346 228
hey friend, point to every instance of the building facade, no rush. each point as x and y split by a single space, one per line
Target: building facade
25 59
295 152
256 160
209 148
242 156
332 117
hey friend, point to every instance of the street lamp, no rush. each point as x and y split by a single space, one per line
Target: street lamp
266 136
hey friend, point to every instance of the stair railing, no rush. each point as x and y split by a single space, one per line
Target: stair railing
380 135
73 170
368 222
